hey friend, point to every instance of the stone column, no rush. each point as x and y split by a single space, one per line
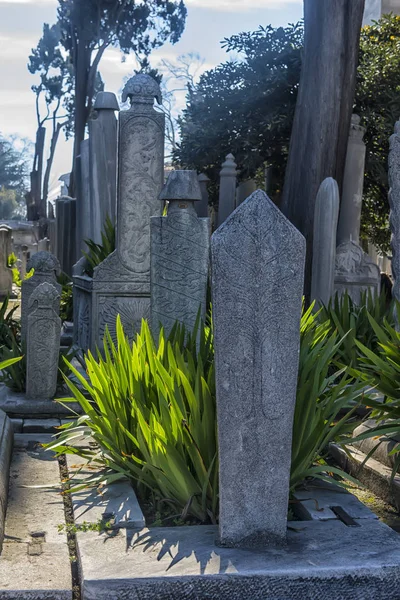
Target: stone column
43 347
394 201
46 268
227 189
257 260
353 182
202 206
6 277
244 190
324 241
60 202
103 161
180 244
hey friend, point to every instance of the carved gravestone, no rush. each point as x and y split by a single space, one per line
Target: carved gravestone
257 285
6 277
394 201
43 342
180 245
46 267
121 283
355 272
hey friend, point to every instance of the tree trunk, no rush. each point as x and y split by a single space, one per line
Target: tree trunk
49 164
36 173
323 111
82 68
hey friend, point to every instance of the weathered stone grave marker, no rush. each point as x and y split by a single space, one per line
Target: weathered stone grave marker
394 201
180 245
227 189
6 278
121 283
257 285
43 342
324 241
46 267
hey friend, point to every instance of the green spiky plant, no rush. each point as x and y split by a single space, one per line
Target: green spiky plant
98 252
151 409
352 323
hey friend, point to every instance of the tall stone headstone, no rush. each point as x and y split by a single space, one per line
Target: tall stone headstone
244 190
202 206
353 183
257 263
6 277
394 201
180 245
24 261
84 223
324 241
46 267
43 342
374 9
103 161
121 283
227 189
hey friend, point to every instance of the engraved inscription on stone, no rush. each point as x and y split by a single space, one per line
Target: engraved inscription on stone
43 345
257 285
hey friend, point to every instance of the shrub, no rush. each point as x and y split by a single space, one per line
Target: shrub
99 252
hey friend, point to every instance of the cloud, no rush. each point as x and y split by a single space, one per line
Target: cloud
240 5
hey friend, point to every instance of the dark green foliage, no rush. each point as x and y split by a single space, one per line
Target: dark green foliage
98 252
66 303
378 102
246 106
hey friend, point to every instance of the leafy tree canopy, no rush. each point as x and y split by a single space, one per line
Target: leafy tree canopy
246 106
14 157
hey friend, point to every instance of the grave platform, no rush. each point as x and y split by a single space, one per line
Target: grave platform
323 560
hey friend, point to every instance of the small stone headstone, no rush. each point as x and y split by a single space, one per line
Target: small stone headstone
180 245
43 342
46 267
257 285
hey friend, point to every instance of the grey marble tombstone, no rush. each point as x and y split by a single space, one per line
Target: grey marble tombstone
257 260
6 277
227 189
180 246
121 283
324 241
46 268
394 201
103 161
353 183
244 189
84 222
355 272
43 347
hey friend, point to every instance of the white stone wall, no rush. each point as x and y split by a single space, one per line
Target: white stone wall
375 8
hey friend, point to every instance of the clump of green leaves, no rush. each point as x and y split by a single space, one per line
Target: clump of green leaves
99 252
323 391
352 322
151 408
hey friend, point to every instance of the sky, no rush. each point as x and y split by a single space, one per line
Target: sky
208 23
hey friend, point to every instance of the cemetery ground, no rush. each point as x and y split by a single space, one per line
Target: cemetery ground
188 449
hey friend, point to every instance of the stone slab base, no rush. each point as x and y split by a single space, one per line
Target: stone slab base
6 445
322 561
35 562
19 406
